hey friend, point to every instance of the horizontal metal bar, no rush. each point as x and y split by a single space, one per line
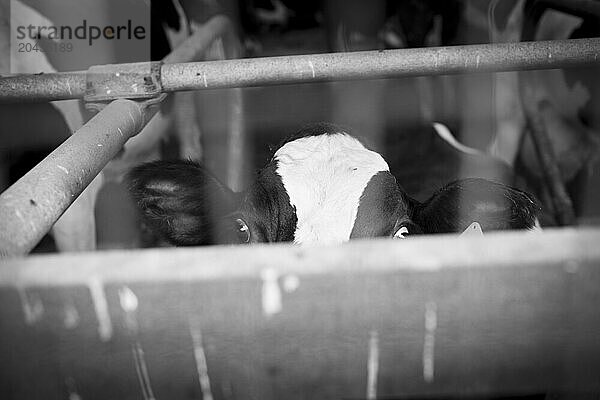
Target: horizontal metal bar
425 254
138 81
42 87
341 66
30 207
381 64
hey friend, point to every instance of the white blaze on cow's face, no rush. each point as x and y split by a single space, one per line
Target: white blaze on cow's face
325 176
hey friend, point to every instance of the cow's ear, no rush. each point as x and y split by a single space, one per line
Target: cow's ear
493 205
181 201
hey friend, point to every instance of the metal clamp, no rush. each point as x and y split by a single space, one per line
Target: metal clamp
117 81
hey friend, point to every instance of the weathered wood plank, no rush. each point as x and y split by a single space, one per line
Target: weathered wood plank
507 321
228 262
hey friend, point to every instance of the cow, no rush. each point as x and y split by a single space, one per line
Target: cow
322 185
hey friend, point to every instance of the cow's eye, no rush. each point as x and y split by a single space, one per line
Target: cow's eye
401 233
243 232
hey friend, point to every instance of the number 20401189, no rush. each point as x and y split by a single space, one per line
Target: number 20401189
28 47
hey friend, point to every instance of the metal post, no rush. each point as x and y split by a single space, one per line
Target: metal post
237 151
336 66
30 207
563 207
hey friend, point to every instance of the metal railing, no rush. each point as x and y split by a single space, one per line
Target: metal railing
325 67
30 207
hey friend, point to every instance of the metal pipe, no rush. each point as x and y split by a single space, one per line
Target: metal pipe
42 87
237 143
30 207
343 66
198 43
381 64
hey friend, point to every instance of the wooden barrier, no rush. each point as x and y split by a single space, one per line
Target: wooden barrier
497 315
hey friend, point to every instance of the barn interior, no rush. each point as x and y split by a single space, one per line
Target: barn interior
170 337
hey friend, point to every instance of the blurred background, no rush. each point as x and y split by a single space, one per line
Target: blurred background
484 112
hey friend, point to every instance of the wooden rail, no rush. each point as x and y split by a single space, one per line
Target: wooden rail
504 314
187 264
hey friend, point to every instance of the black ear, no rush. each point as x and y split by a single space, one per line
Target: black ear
180 201
493 205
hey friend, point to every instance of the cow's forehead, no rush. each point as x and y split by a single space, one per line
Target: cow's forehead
325 176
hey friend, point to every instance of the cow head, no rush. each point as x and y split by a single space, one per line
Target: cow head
321 185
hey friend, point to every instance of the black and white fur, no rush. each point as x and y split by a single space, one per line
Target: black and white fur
321 186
